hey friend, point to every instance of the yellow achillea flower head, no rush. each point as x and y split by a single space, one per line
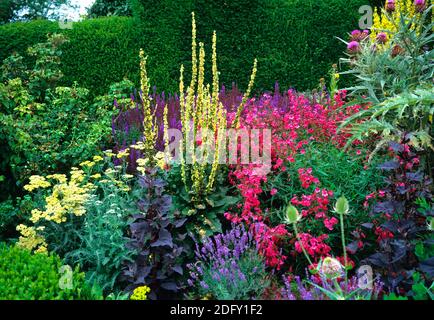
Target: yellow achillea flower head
140 293
37 182
30 239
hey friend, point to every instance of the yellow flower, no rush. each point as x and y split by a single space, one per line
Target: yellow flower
109 153
36 182
202 233
59 177
142 162
160 160
139 146
30 239
123 154
98 158
140 293
88 164
142 170
96 176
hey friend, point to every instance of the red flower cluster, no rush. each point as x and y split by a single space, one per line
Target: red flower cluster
315 247
268 240
316 204
294 121
306 177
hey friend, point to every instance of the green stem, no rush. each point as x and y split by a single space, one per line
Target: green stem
301 244
344 247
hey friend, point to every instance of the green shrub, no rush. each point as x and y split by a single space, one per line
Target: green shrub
26 276
100 51
44 127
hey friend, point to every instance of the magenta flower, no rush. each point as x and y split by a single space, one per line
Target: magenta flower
353 47
364 34
390 5
420 5
355 35
382 37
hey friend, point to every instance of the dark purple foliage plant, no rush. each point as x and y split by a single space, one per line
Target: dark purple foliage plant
155 238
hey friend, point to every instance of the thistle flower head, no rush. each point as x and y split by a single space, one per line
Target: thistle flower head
390 5
331 268
382 38
420 5
353 47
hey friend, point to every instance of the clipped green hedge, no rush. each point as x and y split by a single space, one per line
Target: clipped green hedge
294 41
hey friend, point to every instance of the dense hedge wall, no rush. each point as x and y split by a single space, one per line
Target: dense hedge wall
294 41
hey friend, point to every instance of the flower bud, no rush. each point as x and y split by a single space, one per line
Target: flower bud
292 215
382 38
342 207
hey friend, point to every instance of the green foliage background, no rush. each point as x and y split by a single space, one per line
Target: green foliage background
294 41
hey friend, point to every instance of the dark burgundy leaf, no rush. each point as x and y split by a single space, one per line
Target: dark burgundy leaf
164 239
389 165
427 267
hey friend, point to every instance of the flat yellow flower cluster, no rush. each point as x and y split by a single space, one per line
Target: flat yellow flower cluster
66 197
160 159
140 293
30 239
37 182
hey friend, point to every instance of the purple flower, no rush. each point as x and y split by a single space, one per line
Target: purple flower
204 285
353 47
382 37
420 5
390 5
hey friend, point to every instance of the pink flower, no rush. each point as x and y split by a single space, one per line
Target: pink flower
420 5
353 47
330 223
273 191
390 5
355 35
382 37
358 152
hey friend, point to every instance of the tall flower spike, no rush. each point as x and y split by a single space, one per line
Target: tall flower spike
150 129
246 95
